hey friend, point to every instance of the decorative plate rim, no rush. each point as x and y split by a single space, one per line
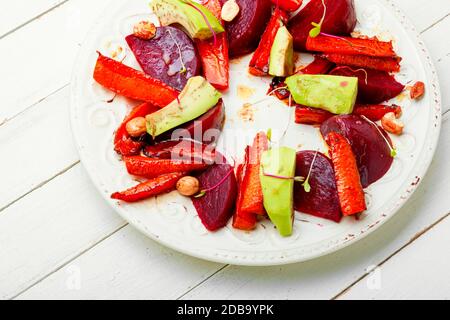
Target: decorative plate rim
408 187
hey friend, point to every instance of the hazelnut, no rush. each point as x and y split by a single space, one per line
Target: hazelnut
136 127
230 10
417 90
144 30
391 124
188 186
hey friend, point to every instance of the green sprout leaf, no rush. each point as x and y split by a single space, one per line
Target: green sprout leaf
307 186
201 194
315 31
393 152
269 134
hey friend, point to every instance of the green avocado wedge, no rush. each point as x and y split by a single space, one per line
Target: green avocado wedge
281 62
191 15
197 97
335 94
278 193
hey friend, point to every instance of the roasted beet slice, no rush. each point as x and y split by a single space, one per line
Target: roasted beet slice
216 207
372 152
245 31
340 19
374 86
206 128
323 200
160 57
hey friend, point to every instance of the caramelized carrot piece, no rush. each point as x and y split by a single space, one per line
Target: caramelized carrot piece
376 112
132 83
320 65
150 168
150 188
352 46
242 220
214 53
348 181
376 63
123 143
306 115
252 200
259 65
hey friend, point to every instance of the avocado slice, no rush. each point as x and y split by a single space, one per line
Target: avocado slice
279 192
335 94
184 12
281 62
197 97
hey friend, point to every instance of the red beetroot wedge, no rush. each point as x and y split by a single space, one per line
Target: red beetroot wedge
170 56
372 153
216 207
150 168
246 29
340 19
322 201
348 182
374 87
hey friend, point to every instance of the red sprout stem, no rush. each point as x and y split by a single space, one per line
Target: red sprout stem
219 183
357 70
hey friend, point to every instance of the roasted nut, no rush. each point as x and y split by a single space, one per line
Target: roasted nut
144 30
230 10
188 186
391 124
417 90
136 127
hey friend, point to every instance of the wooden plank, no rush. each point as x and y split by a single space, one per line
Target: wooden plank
49 227
418 272
422 12
14 14
127 265
35 147
38 59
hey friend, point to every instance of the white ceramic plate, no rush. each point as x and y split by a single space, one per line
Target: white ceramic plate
172 220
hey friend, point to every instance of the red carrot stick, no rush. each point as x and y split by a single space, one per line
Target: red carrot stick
351 46
375 112
306 115
376 63
150 168
348 181
320 65
150 188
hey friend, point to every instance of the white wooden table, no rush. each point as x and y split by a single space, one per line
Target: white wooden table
59 239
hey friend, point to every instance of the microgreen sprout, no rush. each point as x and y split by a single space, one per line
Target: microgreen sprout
306 184
183 66
203 192
318 26
389 144
269 134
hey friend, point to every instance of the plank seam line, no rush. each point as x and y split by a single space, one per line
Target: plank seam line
20 26
203 281
40 185
412 240
435 23
70 260
6 120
